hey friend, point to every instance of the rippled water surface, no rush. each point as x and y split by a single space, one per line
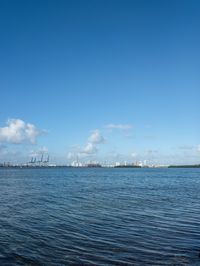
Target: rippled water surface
99 216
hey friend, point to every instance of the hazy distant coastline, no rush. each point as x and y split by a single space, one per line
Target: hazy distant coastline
96 166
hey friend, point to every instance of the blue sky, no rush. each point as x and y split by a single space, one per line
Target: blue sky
122 73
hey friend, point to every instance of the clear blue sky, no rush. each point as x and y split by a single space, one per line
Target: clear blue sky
127 69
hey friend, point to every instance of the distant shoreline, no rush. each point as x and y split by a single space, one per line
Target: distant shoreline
86 167
184 166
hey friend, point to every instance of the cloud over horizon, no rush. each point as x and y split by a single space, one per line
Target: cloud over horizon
96 137
17 131
90 148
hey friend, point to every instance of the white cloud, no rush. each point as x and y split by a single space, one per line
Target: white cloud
96 137
89 149
119 126
198 148
17 131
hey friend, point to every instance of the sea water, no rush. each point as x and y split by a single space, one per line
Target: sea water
102 216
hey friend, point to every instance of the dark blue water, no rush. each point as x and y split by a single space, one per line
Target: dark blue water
99 216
